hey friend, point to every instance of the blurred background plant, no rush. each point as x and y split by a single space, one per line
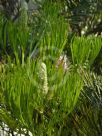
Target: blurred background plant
85 18
87 117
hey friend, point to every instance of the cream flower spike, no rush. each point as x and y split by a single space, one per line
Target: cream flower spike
43 76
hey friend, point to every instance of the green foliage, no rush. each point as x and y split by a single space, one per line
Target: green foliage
27 104
85 50
38 96
88 117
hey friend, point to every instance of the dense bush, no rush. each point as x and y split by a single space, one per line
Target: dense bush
47 86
